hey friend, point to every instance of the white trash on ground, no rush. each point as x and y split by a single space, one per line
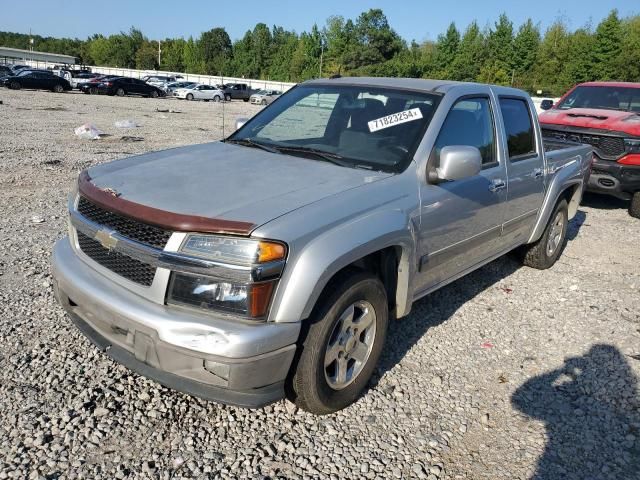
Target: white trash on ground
128 123
88 131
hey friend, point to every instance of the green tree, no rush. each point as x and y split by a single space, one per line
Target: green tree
608 47
470 55
446 51
525 51
500 49
147 56
552 59
629 58
214 51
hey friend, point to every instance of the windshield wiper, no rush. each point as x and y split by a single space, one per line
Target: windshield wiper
251 143
322 154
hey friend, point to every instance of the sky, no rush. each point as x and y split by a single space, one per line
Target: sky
412 19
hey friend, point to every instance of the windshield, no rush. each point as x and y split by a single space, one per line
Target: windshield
354 126
605 98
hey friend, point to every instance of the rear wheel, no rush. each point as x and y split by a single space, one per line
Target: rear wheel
341 344
546 251
634 206
227 98
120 92
189 96
58 88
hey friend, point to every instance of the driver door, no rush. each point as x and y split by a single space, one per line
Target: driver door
461 220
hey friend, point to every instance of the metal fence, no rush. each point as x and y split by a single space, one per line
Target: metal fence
188 77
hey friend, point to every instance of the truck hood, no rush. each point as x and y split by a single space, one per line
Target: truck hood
612 120
223 182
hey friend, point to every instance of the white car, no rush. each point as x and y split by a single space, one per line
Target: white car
264 97
200 91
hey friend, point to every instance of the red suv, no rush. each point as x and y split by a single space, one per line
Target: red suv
605 115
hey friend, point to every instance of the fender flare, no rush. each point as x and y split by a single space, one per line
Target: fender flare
563 179
324 256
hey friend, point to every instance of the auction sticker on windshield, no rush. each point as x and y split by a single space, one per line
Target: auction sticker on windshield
395 119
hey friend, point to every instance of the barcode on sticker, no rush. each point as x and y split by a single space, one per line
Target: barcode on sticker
395 119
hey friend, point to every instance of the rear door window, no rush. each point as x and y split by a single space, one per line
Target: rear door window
521 140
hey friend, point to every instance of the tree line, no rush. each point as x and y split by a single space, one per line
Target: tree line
501 53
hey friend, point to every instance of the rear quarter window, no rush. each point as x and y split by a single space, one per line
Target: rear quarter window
521 142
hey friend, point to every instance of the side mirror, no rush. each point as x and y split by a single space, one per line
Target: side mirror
240 121
458 162
546 104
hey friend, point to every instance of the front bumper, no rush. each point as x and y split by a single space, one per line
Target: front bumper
614 178
229 361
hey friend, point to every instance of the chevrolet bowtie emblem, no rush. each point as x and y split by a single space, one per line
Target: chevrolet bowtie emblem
106 239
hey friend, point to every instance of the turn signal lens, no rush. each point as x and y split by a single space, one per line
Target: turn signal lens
269 251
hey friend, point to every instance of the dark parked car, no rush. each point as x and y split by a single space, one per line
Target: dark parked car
122 86
37 80
90 85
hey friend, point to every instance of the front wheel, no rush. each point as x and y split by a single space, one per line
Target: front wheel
264 102
227 98
153 94
15 86
245 99
341 344
634 206
120 92
189 96
216 98
546 251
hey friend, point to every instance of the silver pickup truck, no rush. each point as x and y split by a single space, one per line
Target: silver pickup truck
270 264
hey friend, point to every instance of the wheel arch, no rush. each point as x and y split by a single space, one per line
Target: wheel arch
388 250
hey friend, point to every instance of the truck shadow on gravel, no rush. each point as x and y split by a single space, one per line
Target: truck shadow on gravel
603 202
590 408
438 307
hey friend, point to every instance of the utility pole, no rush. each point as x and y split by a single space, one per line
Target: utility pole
321 56
159 51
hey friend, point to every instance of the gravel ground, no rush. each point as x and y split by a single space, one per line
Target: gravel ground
509 373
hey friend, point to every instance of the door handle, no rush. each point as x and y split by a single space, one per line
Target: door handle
497 185
537 173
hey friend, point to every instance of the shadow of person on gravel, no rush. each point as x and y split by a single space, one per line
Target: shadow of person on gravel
590 409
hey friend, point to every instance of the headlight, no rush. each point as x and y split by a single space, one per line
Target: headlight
250 298
632 145
238 251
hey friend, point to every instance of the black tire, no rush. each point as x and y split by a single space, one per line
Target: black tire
308 383
264 102
189 96
15 86
216 98
546 251
245 99
227 98
58 88
634 206
93 91
153 94
120 92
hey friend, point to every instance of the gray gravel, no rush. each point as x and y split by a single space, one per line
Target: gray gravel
509 373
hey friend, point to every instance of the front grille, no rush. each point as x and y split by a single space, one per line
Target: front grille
123 265
605 146
133 229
